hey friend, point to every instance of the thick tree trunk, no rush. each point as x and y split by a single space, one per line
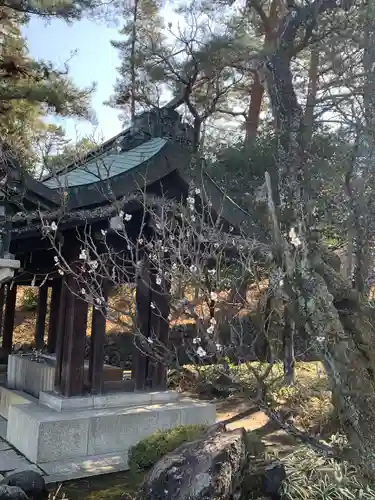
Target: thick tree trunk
338 324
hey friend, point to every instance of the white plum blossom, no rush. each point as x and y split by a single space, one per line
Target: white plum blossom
210 329
54 226
197 191
193 268
60 271
83 291
83 255
213 296
190 200
150 341
193 218
93 264
152 305
121 213
128 217
98 300
197 340
158 279
201 352
56 259
320 340
103 231
294 239
213 321
140 241
174 266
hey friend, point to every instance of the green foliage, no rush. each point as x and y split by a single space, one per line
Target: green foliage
68 153
69 10
148 451
139 74
30 299
30 89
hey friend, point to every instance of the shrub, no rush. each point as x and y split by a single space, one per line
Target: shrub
147 452
30 299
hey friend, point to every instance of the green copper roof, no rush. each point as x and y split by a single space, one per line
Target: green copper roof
107 165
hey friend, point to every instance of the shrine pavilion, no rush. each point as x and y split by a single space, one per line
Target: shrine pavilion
71 416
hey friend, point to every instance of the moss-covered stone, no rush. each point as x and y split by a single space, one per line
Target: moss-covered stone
148 451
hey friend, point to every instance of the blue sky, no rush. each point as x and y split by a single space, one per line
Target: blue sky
96 60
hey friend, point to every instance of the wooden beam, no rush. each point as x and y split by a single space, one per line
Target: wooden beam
40 324
96 361
54 316
10 308
2 296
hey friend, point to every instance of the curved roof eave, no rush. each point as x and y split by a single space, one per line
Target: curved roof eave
137 178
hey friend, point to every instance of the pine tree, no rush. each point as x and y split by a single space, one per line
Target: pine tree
69 10
138 85
29 90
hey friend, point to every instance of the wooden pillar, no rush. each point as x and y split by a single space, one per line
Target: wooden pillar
2 296
75 340
10 308
41 316
96 361
159 329
143 305
71 338
60 337
54 316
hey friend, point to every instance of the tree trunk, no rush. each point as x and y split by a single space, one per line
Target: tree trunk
311 96
257 88
133 62
252 117
338 324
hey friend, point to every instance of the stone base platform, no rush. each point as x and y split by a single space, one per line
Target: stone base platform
10 397
91 437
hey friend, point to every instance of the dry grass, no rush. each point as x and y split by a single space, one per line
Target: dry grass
313 477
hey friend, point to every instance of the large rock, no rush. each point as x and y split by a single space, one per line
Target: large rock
12 493
29 481
213 467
